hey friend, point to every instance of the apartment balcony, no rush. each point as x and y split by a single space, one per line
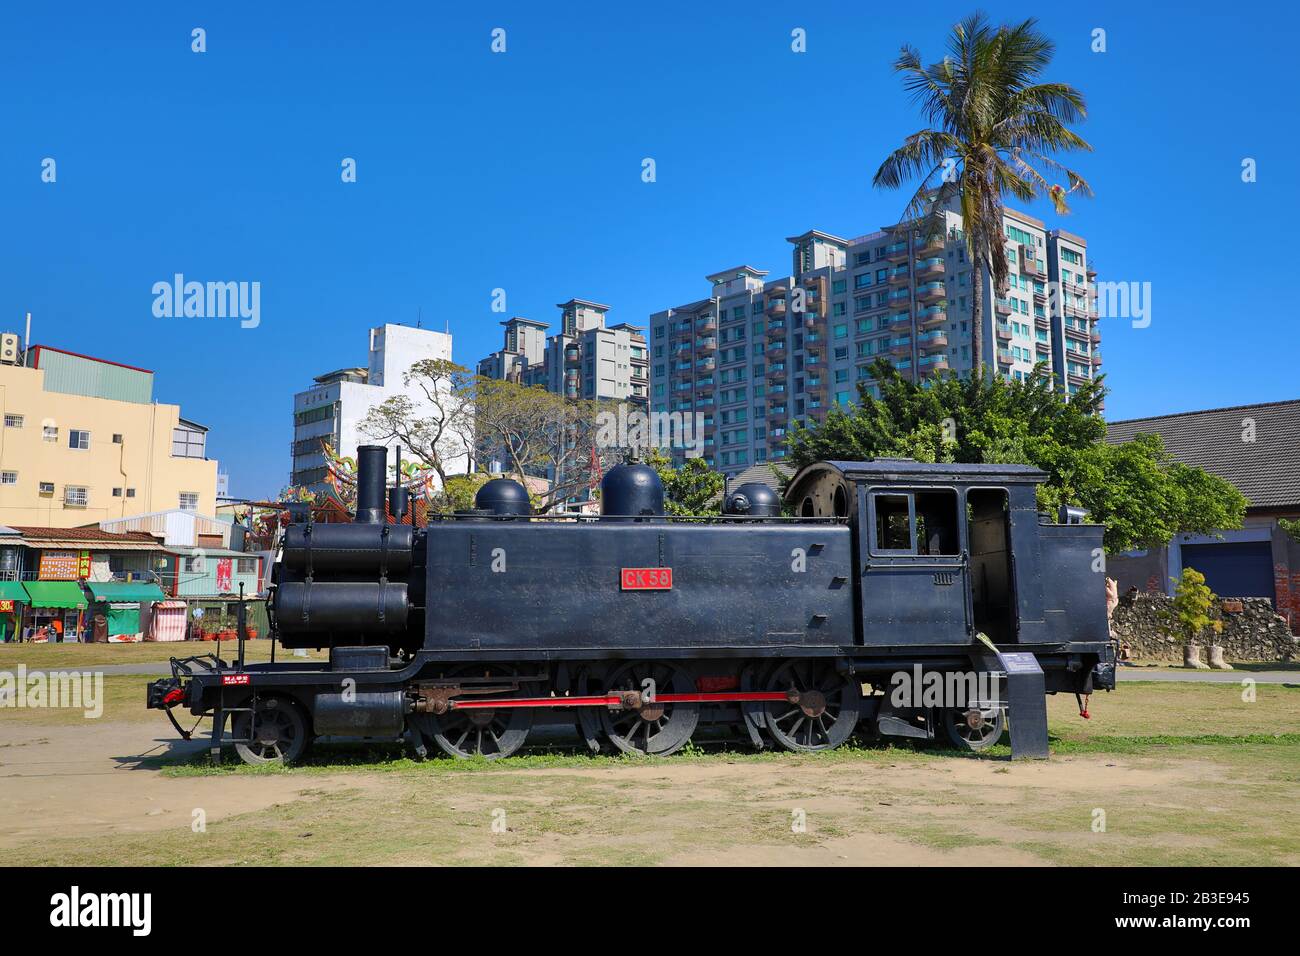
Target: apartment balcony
1003 306
931 317
900 347
776 413
572 357
933 246
931 292
931 268
707 324
775 307
813 320
1040 346
1005 357
1096 358
897 252
899 276
1003 331
930 364
776 371
1042 322
706 365
933 340
1029 264
709 344
1094 337
1076 379
817 387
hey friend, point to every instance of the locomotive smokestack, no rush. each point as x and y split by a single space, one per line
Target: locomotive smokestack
372 463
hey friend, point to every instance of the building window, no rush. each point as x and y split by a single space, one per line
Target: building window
188 442
130 492
13 421
246 565
117 439
8 477
47 487
79 439
77 496
117 492
50 432
189 501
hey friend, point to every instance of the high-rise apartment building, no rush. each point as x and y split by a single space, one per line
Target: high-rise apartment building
333 409
585 359
761 352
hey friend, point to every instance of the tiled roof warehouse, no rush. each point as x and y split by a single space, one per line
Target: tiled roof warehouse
1265 470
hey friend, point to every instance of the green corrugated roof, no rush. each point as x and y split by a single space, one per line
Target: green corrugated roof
82 375
12 591
124 591
55 594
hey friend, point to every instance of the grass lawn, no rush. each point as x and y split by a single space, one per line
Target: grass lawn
97 655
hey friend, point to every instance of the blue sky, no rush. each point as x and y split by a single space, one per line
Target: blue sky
522 171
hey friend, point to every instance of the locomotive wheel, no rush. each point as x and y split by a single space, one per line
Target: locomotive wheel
279 732
490 733
974 729
825 712
652 729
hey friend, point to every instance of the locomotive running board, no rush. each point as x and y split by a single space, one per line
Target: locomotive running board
1026 693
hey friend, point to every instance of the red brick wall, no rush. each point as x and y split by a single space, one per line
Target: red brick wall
1286 583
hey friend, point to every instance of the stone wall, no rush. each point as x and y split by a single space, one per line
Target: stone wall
1252 631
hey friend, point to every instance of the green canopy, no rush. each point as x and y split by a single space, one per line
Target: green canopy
124 591
13 591
55 594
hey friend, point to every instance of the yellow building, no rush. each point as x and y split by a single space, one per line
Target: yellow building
83 441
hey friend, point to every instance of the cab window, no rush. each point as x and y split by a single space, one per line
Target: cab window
917 522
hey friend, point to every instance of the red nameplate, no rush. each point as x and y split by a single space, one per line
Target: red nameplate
647 579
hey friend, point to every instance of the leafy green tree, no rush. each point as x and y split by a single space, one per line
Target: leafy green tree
992 124
1135 489
458 493
1190 612
692 489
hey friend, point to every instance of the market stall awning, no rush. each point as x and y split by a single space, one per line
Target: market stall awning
124 591
55 594
13 591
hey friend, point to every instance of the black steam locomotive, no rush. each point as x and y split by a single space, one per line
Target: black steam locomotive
895 598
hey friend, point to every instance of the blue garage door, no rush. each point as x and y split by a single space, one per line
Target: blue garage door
1234 570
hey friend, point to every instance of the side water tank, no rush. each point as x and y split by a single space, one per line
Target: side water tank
752 500
503 497
630 492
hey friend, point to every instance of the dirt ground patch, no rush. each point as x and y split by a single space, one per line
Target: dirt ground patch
94 795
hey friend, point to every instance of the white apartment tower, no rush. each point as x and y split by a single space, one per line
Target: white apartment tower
334 407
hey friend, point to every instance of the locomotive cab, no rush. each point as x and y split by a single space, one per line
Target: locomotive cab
949 551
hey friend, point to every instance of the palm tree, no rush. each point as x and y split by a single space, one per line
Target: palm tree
990 124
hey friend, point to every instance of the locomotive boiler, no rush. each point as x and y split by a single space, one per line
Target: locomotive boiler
791 624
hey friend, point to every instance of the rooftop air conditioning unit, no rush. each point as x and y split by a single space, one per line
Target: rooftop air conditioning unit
10 350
